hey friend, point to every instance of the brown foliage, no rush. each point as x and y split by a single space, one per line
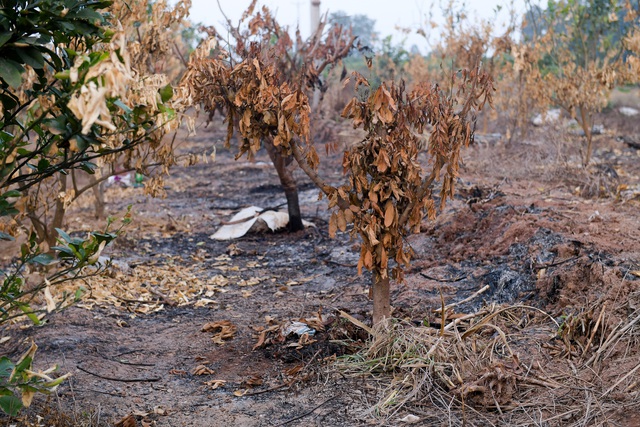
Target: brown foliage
265 92
264 95
263 85
388 190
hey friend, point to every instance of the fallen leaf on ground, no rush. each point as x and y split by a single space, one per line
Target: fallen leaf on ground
214 384
305 339
177 372
254 381
224 328
409 419
128 421
202 302
262 338
202 370
251 282
240 393
233 250
293 371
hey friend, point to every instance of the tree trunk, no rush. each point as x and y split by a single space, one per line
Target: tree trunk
381 298
58 216
285 173
98 193
587 127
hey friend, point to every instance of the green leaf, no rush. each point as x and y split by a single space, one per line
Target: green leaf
11 72
6 367
43 164
64 235
64 251
5 36
5 236
9 102
166 93
62 75
88 167
58 126
26 309
10 405
5 136
24 363
86 14
43 259
12 193
32 57
81 142
123 106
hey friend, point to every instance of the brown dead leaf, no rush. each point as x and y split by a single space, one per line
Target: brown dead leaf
342 222
333 224
240 393
159 410
254 381
389 214
262 338
293 371
233 250
128 421
305 339
202 370
121 323
214 384
314 323
224 329
177 372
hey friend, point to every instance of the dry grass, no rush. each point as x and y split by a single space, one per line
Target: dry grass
593 182
50 414
507 365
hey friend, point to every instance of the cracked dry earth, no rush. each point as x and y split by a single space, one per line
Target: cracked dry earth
141 353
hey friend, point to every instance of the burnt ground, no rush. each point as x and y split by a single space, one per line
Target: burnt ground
522 224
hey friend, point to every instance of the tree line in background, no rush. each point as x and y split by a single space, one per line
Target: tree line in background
89 89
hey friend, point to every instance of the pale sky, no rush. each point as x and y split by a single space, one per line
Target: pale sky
387 14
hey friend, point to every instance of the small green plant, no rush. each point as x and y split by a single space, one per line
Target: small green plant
78 258
19 383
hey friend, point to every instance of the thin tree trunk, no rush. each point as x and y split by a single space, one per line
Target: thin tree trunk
58 215
381 298
587 127
98 193
285 173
